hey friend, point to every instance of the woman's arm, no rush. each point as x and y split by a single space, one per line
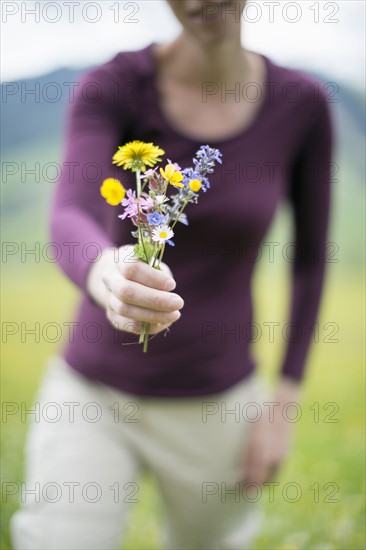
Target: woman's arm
79 217
310 198
271 438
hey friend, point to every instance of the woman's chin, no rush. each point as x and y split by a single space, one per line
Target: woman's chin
207 33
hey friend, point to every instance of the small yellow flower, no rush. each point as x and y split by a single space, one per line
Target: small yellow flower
136 155
113 191
172 175
195 185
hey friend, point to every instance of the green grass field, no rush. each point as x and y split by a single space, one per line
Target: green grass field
330 454
327 461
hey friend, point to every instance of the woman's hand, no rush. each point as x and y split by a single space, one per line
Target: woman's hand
270 438
132 292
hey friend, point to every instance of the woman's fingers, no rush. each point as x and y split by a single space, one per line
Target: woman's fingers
267 448
132 293
122 323
260 472
128 325
137 293
142 314
146 275
166 269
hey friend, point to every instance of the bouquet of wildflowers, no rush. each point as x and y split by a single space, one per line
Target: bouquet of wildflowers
151 209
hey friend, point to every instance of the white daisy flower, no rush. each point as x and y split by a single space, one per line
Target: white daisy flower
162 233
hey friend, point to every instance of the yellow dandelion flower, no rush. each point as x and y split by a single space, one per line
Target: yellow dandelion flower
113 191
195 185
136 155
172 175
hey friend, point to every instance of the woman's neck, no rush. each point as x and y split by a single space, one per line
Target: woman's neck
191 62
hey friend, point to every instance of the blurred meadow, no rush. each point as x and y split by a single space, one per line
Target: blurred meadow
328 458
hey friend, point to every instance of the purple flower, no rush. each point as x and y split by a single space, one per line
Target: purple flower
205 160
208 154
191 174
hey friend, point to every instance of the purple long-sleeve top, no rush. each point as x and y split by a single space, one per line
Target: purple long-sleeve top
285 155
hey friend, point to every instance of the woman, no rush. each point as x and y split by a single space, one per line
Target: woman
179 409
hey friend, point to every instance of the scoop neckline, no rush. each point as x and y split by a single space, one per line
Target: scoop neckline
238 135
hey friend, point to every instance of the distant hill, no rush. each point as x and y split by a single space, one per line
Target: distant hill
33 109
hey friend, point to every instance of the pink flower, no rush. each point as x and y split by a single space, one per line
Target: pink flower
130 205
146 202
149 173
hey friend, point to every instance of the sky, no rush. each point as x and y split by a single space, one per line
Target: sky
38 37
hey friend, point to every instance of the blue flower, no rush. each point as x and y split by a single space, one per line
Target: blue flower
156 219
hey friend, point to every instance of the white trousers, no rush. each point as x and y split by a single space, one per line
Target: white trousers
89 444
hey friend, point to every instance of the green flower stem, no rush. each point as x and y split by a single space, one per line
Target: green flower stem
146 340
155 255
138 183
143 185
141 238
161 255
144 336
179 213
